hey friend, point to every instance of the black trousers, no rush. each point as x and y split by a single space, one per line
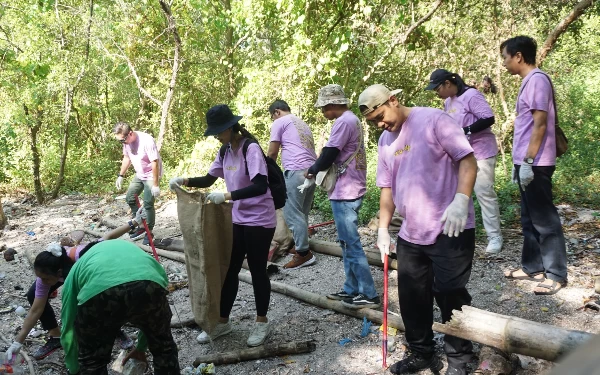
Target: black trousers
48 318
441 270
144 305
544 249
253 243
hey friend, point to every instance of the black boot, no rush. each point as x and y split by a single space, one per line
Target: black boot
416 362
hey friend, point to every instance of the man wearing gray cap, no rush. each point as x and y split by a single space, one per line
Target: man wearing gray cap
346 149
426 171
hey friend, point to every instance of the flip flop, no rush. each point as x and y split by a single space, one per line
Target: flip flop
526 277
552 288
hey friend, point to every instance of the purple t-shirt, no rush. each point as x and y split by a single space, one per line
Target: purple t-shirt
42 290
255 211
346 136
297 143
468 108
420 164
535 94
142 153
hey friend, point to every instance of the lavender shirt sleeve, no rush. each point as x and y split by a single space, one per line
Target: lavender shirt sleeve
216 168
255 161
384 176
276 131
151 151
538 93
480 107
41 289
451 137
340 135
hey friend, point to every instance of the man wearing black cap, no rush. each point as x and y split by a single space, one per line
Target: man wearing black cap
426 171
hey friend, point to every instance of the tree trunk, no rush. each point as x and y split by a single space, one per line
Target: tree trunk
513 335
166 104
264 351
331 248
34 129
3 220
562 26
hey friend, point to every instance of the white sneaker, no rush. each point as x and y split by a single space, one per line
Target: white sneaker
259 334
494 245
220 329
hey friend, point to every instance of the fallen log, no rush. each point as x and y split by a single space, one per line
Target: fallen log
583 361
163 253
269 350
332 248
172 244
325 303
513 335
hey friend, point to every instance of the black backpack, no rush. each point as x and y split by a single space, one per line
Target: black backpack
275 175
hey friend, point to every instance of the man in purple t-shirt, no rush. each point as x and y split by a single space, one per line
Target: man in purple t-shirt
544 254
295 139
346 146
426 171
139 150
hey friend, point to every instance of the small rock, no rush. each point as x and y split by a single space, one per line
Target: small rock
18 287
20 311
9 254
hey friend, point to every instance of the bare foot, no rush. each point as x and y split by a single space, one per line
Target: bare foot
521 274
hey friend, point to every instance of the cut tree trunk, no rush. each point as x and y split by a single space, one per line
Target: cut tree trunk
325 303
34 129
332 248
3 220
269 350
513 335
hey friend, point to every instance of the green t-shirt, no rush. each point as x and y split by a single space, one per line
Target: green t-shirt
107 264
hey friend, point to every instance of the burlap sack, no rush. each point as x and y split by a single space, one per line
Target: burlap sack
282 241
207 239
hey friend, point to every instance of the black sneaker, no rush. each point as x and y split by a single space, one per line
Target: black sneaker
361 301
146 240
340 296
48 348
137 234
416 362
456 370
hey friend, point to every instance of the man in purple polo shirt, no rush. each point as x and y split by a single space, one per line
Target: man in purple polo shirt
426 171
295 139
345 143
544 254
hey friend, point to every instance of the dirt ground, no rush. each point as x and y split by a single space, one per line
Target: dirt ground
31 227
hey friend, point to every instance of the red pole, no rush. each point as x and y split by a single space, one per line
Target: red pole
385 310
137 199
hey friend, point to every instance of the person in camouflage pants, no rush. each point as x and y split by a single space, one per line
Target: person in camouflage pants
144 305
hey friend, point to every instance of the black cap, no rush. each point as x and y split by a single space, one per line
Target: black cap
220 118
438 77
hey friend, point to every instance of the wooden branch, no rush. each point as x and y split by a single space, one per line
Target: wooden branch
269 350
512 335
325 303
332 248
562 26
401 39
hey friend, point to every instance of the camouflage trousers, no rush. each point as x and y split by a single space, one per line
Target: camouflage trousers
142 304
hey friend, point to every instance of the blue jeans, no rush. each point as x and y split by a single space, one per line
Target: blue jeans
358 273
297 207
147 199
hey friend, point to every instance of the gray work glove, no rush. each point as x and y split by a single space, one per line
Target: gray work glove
455 216
525 175
216 197
175 182
119 183
140 215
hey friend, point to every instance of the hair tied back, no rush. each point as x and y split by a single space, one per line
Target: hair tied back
55 249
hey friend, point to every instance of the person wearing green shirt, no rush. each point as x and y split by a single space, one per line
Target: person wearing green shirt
115 283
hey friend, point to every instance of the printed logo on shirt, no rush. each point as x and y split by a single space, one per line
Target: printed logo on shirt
402 150
306 137
361 159
231 168
452 110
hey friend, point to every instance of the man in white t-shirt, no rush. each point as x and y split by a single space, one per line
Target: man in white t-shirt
139 150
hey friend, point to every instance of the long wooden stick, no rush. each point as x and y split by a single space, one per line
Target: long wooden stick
269 350
332 248
325 303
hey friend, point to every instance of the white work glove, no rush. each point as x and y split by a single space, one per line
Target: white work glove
383 242
513 176
215 197
140 215
155 191
525 175
455 216
175 182
308 182
119 182
14 349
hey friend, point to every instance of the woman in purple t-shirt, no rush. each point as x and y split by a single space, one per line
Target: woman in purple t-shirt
470 109
253 216
51 268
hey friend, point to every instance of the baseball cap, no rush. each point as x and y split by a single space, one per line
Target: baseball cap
373 97
438 77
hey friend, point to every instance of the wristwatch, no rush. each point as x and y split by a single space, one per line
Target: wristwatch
528 161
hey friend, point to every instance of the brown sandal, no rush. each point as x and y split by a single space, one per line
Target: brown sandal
526 277
552 288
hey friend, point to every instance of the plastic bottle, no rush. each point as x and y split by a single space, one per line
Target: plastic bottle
134 367
16 366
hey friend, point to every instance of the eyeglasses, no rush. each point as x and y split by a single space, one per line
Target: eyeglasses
124 139
273 114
